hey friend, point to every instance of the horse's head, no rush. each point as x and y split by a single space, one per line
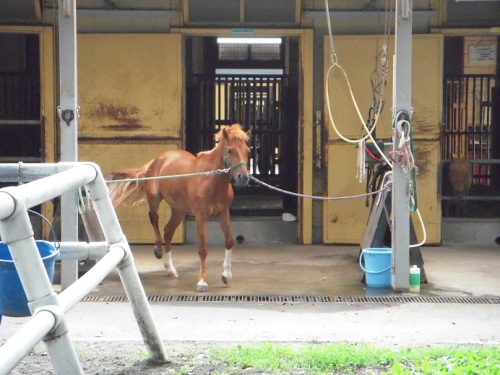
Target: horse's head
236 151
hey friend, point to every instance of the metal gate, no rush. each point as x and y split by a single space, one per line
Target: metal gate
467 125
471 130
254 101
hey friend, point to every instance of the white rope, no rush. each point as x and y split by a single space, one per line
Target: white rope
218 171
335 64
404 147
422 225
387 186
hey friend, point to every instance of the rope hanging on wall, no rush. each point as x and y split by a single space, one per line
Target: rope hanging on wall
378 81
379 88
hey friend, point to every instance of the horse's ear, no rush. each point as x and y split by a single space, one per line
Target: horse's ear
249 133
224 133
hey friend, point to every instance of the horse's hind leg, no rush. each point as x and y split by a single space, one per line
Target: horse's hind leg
225 223
168 233
154 203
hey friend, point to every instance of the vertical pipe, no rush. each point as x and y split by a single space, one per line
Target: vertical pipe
488 122
62 352
69 127
400 275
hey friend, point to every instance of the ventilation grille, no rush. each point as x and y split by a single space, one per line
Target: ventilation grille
297 299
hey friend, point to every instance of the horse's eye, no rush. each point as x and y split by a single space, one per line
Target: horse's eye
229 150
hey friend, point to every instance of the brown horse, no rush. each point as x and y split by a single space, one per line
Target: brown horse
199 193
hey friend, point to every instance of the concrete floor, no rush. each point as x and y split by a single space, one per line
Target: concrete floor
304 271
316 270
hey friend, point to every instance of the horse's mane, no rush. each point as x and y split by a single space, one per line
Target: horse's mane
234 131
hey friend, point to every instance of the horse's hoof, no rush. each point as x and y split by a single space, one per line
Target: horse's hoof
172 273
158 254
226 280
201 287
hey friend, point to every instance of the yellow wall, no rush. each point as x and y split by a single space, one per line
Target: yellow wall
130 85
130 94
344 221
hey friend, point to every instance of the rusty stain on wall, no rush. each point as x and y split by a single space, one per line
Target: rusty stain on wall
424 128
113 116
425 159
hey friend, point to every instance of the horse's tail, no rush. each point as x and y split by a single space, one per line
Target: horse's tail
130 192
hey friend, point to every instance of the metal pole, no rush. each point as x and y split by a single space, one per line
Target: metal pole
44 189
16 231
142 311
19 345
400 278
75 292
82 250
68 115
129 276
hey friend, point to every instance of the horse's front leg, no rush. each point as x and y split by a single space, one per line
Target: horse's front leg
225 223
202 285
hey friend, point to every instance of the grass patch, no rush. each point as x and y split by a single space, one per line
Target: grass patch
352 358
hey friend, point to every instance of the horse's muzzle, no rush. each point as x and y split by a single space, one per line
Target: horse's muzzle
240 179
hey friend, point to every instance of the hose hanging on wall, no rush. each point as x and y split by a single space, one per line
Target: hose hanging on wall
376 116
378 83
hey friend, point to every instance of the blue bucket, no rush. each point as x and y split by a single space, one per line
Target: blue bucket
13 301
377 266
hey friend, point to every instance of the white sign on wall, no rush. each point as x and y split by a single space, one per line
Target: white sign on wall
483 54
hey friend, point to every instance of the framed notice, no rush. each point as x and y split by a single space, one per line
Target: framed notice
483 54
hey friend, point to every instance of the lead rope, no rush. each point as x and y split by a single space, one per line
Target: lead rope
387 186
218 171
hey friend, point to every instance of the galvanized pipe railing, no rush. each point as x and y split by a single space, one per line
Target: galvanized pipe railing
30 334
46 306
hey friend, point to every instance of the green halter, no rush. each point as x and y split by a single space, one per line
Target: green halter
227 164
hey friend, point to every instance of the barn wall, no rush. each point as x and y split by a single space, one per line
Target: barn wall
130 86
130 94
344 221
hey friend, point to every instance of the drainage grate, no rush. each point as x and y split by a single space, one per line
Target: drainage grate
297 299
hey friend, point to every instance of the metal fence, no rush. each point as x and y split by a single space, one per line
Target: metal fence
468 132
467 125
254 101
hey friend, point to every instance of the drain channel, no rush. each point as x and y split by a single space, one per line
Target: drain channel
297 299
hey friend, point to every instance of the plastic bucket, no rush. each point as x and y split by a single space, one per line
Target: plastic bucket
13 301
377 266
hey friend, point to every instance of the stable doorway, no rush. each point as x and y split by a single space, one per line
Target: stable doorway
254 84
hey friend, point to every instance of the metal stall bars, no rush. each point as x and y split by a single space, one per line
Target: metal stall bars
47 307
